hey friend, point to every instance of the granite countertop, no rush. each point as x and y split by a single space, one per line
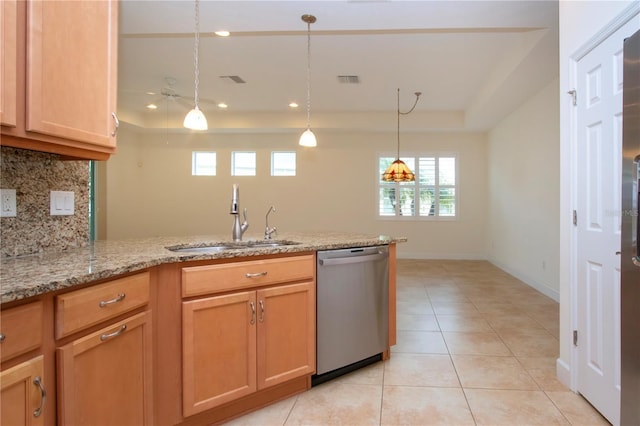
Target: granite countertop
29 276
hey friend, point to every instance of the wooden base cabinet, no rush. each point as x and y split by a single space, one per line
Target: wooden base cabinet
23 394
105 377
240 343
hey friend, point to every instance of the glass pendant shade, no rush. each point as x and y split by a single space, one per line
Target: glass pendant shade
398 171
308 139
195 120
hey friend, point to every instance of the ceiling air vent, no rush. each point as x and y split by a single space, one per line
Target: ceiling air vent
349 79
234 78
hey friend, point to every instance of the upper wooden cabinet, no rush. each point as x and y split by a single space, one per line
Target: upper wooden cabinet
8 70
65 76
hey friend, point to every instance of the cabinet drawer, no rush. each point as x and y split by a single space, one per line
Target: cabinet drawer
198 280
83 308
22 329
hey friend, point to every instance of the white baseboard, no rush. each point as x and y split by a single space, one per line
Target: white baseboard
440 256
542 288
563 372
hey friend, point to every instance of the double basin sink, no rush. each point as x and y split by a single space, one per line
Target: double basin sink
237 245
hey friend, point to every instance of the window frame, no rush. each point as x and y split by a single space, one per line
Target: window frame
194 154
255 163
295 163
416 186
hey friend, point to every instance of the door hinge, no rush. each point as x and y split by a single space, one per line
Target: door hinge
575 218
574 96
575 337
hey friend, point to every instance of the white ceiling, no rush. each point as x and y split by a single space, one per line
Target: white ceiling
474 61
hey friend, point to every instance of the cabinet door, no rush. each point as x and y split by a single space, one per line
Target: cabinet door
218 350
72 69
286 333
22 398
8 66
105 377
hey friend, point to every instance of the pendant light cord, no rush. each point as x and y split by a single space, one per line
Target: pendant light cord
195 53
405 113
308 74
398 155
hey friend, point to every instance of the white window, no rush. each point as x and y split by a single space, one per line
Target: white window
283 163
243 163
203 163
432 195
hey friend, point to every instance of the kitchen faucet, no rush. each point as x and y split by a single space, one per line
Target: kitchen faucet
238 229
268 231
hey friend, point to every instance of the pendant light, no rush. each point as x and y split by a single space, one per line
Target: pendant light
195 119
398 171
308 138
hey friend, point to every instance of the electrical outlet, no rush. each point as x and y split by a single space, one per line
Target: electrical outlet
7 203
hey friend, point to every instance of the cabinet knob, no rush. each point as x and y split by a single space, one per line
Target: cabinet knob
2 337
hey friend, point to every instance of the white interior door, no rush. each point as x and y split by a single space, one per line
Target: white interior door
599 141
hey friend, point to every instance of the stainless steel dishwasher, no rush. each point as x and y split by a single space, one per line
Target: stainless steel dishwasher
352 309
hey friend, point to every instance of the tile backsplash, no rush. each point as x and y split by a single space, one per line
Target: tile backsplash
33 175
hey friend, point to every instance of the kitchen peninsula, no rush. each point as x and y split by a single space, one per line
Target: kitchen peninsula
146 315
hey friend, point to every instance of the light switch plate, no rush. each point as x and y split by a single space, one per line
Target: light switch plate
62 203
7 203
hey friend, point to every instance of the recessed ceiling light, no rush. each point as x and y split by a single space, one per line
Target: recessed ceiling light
152 106
222 105
222 33
293 105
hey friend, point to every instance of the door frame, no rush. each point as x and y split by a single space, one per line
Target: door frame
632 11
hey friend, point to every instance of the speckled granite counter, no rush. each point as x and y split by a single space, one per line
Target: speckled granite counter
33 275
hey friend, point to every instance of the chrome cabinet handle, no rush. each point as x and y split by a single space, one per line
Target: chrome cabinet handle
116 333
117 124
119 298
2 337
257 274
43 396
253 313
261 311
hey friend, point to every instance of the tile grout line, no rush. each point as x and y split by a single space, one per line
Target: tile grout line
454 367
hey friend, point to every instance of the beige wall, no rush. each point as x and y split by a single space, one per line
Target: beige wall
524 192
150 190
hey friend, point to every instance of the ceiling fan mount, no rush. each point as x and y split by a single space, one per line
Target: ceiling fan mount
168 93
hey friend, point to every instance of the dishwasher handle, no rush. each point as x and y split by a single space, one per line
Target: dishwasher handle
352 259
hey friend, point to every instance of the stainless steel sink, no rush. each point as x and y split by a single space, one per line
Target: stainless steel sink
240 245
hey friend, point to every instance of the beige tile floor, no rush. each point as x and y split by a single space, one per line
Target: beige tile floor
475 346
